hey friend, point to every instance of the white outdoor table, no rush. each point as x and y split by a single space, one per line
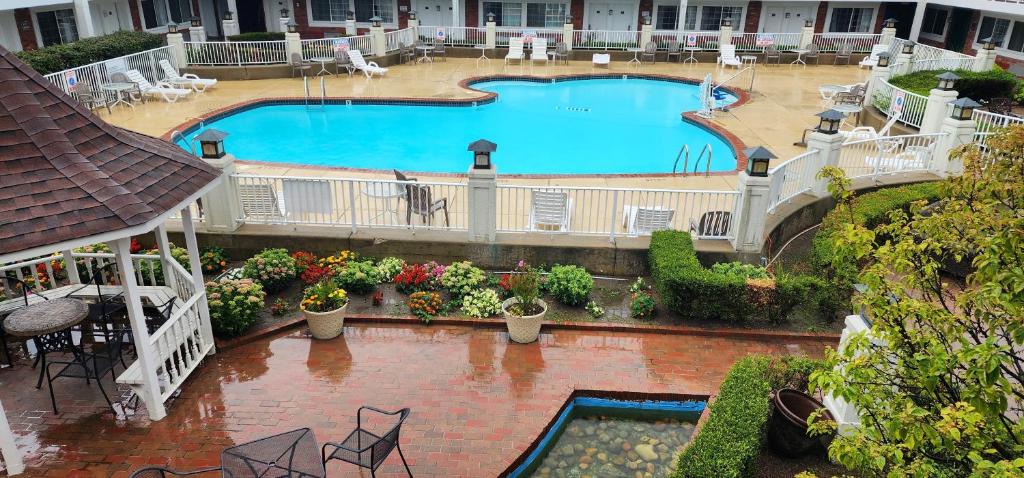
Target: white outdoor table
385 191
323 61
636 55
426 49
799 56
483 52
119 90
691 58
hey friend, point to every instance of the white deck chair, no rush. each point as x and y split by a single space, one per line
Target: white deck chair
368 69
868 132
515 50
198 84
163 89
872 59
727 56
645 220
540 50
308 200
259 201
550 211
910 159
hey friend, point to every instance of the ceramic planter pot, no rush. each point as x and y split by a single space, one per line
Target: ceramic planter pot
787 428
523 329
326 325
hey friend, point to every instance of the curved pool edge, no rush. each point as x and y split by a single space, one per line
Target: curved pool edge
531 452
734 142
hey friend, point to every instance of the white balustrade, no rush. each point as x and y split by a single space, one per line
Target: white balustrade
324 47
604 40
395 39
48 272
236 53
859 42
988 123
178 346
455 36
913 106
888 155
792 178
95 74
782 41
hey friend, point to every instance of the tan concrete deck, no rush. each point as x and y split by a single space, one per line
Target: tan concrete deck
782 105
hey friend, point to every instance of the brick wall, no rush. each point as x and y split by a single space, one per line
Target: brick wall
473 13
133 7
403 17
645 6
972 33
753 17
819 19
577 10
23 17
880 19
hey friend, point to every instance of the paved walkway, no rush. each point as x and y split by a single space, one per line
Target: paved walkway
477 401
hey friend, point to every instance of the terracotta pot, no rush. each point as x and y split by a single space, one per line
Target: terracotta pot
523 329
787 429
326 325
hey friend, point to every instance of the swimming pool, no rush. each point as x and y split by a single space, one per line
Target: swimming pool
596 126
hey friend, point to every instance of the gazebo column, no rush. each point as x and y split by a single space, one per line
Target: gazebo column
148 359
8 451
188 228
164 247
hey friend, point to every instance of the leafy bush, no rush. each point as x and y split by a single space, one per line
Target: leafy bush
481 303
414 278
338 260
462 277
739 269
272 268
234 305
214 260
978 86
257 36
425 305
89 50
641 300
358 277
570 285
388 268
303 260
324 296
692 291
595 310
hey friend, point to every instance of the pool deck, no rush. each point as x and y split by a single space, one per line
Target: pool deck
477 400
782 105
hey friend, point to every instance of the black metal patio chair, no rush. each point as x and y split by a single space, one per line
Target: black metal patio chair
158 472
365 449
712 223
87 365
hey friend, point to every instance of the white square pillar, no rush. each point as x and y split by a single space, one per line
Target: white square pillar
755 195
724 36
985 60
176 42
491 35
888 36
483 204
829 147
350 27
221 208
958 133
8 450
878 75
292 44
567 34
806 36
197 34
378 41
646 34
936 109
230 27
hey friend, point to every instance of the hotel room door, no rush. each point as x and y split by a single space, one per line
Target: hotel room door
610 16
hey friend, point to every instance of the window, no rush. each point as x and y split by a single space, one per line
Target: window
505 14
711 17
851 20
1017 38
934 21
154 13
993 27
545 14
665 17
57 26
181 10
329 10
367 9
691 18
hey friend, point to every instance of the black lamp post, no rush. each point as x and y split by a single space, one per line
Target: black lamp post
647 19
292 27
412 14
172 28
284 13
829 121
947 80
808 23
890 23
908 48
211 143
375 21
490 17
482 150
757 161
568 19
196 21
990 43
963 108
350 15
229 15
883 59
727 22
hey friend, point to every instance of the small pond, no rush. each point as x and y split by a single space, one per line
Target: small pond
613 438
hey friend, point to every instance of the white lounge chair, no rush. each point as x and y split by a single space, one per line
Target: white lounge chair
259 202
645 220
872 59
515 50
727 56
198 84
550 211
163 89
602 60
869 132
368 69
308 200
540 50
912 158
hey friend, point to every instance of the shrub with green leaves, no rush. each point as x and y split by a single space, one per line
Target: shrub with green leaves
977 85
388 268
274 269
481 303
358 277
739 269
89 50
460 278
570 285
257 36
234 305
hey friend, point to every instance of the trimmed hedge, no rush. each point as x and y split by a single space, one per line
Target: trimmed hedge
89 50
692 291
729 442
975 85
257 36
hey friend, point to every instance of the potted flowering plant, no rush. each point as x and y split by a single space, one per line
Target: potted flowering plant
524 311
324 305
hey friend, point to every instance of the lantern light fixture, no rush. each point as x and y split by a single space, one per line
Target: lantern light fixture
908 48
568 19
482 150
196 21
883 59
808 23
490 17
292 27
947 80
757 161
829 121
412 14
229 15
963 108
727 22
890 23
990 43
375 21
211 143
172 28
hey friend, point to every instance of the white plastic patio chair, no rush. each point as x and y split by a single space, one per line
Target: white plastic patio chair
515 50
645 220
550 211
369 69
910 159
163 89
727 56
198 84
540 50
259 201
308 200
869 132
872 59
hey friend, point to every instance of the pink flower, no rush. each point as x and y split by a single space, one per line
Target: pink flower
521 264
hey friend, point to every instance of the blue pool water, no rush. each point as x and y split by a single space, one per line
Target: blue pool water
595 126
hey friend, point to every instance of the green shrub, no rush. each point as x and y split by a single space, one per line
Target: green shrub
89 50
978 86
272 268
739 269
358 277
570 285
460 278
234 305
481 303
388 268
257 36
695 292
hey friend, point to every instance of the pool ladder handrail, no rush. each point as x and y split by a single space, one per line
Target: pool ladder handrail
753 75
305 86
686 161
323 92
191 146
696 164
684 153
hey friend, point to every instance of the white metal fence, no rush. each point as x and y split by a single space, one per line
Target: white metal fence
988 123
782 41
792 178
95 74
859 42
941 64
605 40
236 52
324 47
913 103
354 203
454 36
48 272
394 40
888 155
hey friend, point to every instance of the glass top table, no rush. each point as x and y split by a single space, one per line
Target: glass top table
294 454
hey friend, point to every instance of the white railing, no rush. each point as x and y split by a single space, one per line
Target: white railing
613 212
455 36
703 40
942 64
48 272
182 282
236 52
782 41
95 74
324 47
179 345
394 40
503 34
924 52
913 103
792 178
988 123
888 155
605 40
860 42
354 203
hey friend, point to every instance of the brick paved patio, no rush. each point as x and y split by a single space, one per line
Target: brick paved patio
477 401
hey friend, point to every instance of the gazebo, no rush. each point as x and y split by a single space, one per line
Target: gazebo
68 180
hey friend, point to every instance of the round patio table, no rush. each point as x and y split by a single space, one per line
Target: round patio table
426 49
324 61
119 90
385 192
46 317
828 92
636 55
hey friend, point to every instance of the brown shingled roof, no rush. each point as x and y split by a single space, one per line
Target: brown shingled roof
66 174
